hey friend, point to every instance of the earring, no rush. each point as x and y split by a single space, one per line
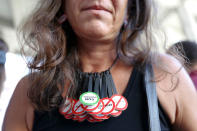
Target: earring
62 19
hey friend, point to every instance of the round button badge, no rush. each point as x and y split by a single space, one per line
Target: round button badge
89 98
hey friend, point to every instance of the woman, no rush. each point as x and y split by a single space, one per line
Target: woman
89 35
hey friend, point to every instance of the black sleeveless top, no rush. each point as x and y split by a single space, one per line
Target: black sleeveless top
134 118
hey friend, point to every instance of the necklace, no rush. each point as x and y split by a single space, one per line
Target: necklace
96 98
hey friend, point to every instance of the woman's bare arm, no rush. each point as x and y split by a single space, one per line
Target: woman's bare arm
179 101
19 114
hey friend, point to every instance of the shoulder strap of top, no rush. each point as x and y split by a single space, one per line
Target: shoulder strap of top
154 122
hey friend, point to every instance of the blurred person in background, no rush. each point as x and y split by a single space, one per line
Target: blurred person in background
3 51
188 49
92 37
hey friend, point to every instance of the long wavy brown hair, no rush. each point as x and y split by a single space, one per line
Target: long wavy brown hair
55 54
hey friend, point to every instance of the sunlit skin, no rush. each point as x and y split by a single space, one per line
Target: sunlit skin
96 24
96 19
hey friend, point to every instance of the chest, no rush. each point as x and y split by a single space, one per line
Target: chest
135 118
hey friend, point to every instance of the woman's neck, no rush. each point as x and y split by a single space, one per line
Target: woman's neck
96 56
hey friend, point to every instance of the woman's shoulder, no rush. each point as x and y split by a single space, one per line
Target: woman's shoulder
20 111
172 74
176 92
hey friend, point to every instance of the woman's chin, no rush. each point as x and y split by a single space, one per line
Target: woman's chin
97 36
97 33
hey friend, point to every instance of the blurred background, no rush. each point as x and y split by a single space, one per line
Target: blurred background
177 18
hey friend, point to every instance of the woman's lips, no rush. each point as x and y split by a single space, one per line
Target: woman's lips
96 8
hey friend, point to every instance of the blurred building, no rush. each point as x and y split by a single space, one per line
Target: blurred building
178 18
12 12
